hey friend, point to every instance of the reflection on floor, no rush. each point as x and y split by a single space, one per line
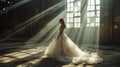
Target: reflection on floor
32 58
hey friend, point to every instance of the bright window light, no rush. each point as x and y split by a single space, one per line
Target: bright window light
92 2
97 19
98 7
97 1
74 13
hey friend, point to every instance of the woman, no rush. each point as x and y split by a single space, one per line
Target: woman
64 49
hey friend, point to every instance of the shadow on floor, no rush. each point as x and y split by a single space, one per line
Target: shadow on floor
48 62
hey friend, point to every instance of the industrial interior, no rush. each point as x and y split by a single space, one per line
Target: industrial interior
28 26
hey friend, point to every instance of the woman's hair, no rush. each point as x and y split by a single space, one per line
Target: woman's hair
62 21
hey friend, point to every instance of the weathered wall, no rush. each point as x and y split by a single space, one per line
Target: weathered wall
110 23
105 22
26 20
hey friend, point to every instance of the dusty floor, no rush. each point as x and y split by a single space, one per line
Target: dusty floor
32 58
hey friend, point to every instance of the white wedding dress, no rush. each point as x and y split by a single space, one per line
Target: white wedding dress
65 50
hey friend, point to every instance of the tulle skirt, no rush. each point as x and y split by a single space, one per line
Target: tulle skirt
65 50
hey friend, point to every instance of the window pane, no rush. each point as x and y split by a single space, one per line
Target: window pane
97 1
68 1
98 13
71 4
69 14
79 8
78 24
88 20
89 2
76 19
92 14
72 0
75 24
92 2
75 9
77 13
97 24
68 5
92 7
69 19
88 8
79 3
69 9
97 7
97 19
88 14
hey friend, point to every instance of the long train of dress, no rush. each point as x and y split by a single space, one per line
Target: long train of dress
64 49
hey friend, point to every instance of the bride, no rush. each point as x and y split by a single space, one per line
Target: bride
64 49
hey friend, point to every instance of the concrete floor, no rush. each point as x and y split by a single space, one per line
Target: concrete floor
32 58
